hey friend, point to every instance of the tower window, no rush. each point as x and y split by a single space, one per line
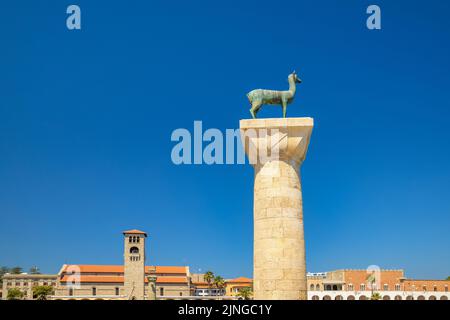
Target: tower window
134 250
94 291
161 291
70 292
129 239
137 239
117 291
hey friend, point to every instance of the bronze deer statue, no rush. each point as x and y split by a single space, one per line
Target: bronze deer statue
259 97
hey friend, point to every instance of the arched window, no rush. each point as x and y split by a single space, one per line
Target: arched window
350 287
328 287
117 291
130 239
311 287
334 287
446 288
134 250
70 292
317 287
94 291
397 287
362 287
161 291
137 239
435 288
424 288
385 287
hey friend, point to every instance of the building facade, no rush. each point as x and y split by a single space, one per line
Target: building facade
135 280
363 284
25 283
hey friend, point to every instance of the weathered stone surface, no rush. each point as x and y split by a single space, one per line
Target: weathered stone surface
279 247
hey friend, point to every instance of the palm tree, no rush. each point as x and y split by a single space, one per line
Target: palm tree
219 282
16 270
34 270
371 278
375 296
208 277
245 293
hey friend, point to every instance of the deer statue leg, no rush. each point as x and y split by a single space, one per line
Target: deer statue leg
255 108
284 105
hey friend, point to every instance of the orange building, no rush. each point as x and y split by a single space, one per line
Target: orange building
234 285
362 284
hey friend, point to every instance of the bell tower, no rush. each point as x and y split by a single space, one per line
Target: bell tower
134 264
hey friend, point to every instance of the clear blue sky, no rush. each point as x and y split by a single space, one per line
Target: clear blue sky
86 118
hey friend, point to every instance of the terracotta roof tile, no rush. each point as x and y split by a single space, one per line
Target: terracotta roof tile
171 280
135 231
119 269
93 279
240 280
118 279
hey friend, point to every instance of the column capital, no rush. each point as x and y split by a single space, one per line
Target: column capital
284 139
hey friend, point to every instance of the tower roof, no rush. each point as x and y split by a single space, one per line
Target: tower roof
135 231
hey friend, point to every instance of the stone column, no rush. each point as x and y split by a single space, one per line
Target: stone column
279 270
151 287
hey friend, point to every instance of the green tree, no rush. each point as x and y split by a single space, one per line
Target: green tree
42 292
3 270
375 296
208 277
35 270
14 294
16 270
448 278
219 283
245 293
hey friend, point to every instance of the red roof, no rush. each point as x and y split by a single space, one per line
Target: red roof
240 280
117 279
135 231
171 280
119 269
